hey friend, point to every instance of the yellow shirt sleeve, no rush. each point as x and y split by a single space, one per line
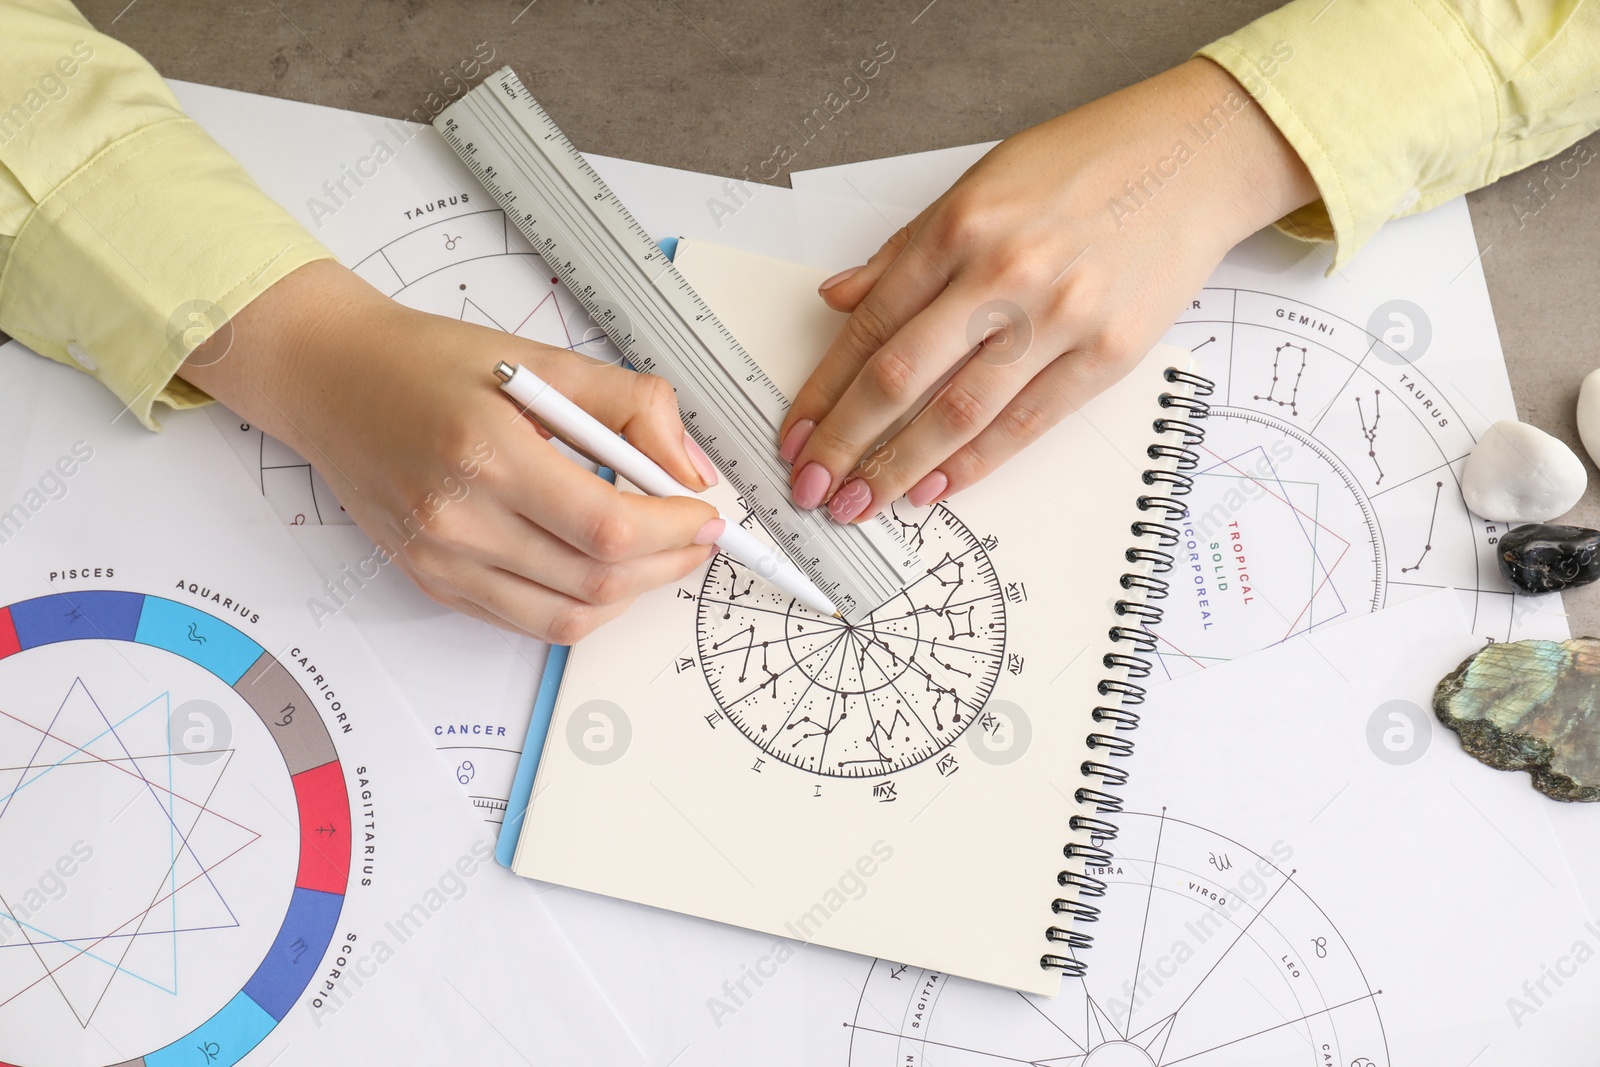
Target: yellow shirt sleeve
127 235
1399 105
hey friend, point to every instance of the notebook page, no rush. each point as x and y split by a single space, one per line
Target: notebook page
902 787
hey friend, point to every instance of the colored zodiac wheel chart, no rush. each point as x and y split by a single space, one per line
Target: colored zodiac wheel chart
1206 953
859 698
175 830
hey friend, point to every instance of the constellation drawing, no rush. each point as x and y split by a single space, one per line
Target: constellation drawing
868 696
1292 403
1206 953
1371 432
1427 546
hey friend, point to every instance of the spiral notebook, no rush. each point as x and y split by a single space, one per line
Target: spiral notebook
931 783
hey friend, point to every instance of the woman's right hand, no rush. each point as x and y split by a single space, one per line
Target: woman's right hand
401 414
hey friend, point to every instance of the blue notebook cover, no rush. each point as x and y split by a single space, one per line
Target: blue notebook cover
522 786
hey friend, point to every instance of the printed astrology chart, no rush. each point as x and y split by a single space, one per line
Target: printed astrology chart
471 266
149 751
865 698
1328 484
219 845
1177 976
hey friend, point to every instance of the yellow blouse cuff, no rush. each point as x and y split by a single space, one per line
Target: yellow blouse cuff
1390 103
140 255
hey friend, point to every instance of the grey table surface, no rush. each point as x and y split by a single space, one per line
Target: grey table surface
712 85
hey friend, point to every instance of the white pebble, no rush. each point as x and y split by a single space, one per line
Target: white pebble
1589 415
1519 473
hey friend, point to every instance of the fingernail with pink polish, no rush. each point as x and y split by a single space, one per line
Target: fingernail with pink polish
711 531
926 491
851 500
843 275
701 461
796 439
811 486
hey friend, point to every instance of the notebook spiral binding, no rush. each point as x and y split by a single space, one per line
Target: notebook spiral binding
1168 487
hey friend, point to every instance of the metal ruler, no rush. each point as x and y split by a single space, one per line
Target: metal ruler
628 285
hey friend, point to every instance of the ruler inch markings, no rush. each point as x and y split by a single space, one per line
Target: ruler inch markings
731 407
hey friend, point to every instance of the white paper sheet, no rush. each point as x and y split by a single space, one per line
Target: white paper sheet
208 856
1329 482
910 181
1407 891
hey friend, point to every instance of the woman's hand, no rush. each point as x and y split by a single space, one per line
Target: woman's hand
400 412
1056 262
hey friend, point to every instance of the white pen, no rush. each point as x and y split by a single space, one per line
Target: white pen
587 434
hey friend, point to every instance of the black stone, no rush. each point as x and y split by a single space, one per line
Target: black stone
1542 559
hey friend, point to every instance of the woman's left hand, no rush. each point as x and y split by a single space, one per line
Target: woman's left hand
1055 263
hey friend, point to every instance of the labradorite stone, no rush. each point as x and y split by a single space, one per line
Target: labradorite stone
1542 558
1531 706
